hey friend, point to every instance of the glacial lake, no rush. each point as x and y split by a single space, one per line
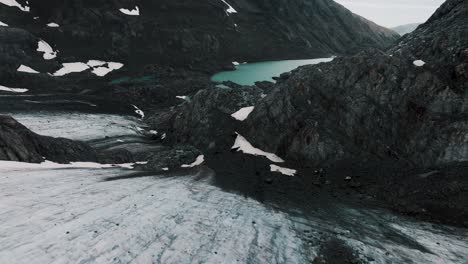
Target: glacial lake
249 73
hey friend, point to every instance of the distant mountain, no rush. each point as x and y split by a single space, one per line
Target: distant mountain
405 29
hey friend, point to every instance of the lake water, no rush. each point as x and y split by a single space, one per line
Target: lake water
249 73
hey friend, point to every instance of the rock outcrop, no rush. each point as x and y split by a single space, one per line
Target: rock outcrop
408 104
205 120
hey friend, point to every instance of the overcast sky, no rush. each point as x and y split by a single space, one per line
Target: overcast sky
391 13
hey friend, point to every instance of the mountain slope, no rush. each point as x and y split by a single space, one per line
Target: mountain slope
199 32
405 29
408 104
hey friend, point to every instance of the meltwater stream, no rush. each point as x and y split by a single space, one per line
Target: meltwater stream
249 73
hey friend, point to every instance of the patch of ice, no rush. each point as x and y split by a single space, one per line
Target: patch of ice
165 169
418 63
53 25
24 68
183 97
153 132
235 63
139 112
13 90
71 67
13 3
285 171
133 12
44 47
198 161
163 136
243 145
3 24
243 113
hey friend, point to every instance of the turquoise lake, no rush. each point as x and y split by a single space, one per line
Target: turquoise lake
249 73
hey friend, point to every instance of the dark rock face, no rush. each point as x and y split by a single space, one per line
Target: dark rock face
172 158
115 156
203 32
17 143
205 121
376 105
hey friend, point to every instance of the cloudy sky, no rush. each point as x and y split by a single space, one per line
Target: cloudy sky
391 13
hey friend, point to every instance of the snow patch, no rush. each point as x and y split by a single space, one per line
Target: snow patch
235 63
183 97
198 161
3 24
243 145
71 67
133 12
96 65
418 63
230 9
13 3
24 68
103 71
53 25
243 113
285 171
13 90
139 112
44 47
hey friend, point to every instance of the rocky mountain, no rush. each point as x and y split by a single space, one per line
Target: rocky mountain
405 29
200 34
406 104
